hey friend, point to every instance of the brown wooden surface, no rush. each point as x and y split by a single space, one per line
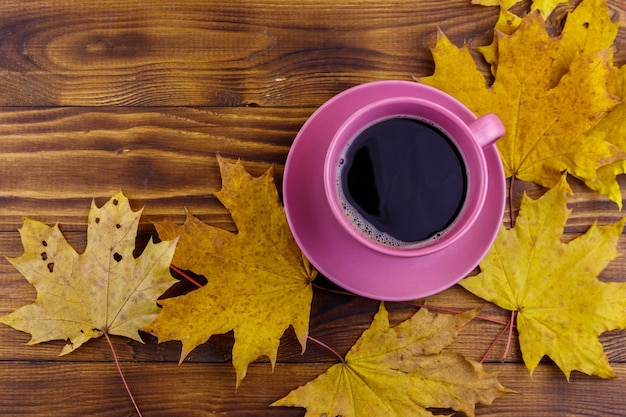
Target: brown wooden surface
137 95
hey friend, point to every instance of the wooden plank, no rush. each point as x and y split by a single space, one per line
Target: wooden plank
547 393
39 388
238 53
162 158
222 53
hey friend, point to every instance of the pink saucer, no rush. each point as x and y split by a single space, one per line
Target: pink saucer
351 265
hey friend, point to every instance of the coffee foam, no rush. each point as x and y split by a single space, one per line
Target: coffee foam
369 231
365 227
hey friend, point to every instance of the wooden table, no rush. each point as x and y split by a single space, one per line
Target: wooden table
137 95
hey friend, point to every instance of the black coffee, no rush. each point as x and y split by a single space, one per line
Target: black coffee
405 179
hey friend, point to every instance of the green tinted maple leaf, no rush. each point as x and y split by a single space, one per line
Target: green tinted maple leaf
400 371
548 112
104 289
561 305
259 283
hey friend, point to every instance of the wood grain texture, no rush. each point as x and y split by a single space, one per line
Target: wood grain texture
221 53
140 96
218 53
162 158
207 390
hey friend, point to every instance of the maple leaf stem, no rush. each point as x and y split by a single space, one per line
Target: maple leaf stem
510 338
508 326
494 343
511 211
454 311
325 346
119 370
184 275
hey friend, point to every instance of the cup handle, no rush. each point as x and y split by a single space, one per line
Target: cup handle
487 129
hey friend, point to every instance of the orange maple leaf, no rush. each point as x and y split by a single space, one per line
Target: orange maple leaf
259 283
549 92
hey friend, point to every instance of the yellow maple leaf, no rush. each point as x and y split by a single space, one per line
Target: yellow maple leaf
507 23
545 7
561 306
505 4
104 289
259 283
612 129
400 371
588 31
547 121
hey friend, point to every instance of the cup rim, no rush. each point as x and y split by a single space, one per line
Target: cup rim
477 181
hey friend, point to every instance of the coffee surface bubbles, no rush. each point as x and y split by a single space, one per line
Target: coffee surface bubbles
402 182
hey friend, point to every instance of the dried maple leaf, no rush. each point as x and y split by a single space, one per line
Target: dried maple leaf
561 306
548 118
507 23
259 283
588 31
612 129
104 289
400 371
545 7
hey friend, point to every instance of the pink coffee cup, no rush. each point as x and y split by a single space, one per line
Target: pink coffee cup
465 142
326 196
